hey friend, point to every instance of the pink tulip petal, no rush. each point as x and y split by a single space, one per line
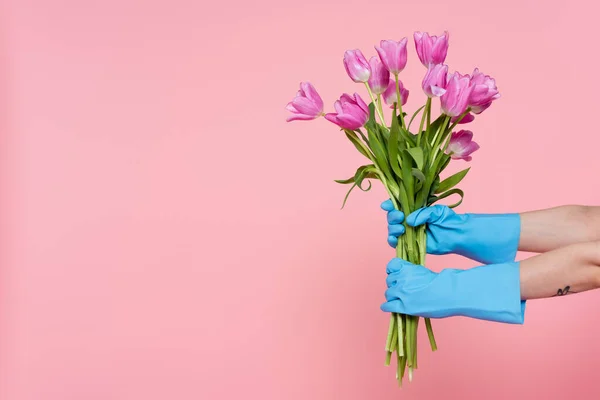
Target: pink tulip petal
361 103
300 117
312 94
290 107
349 121
470 148
305 106
332 117
437 91
337 106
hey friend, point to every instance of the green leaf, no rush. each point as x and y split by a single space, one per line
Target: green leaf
435 185
418 174
348 194
414 115
365 172
371 123
417 154
345 181
360 146
446 160
380 155
362 135
459 192
452 181
393 145
407 178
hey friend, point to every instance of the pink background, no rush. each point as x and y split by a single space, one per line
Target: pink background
166 235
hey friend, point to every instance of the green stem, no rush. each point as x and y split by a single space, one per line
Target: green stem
391 329
437 139
429 115
422 242
460 117
399 336
375 104
414 336
430 334
425 112
399 101
380 105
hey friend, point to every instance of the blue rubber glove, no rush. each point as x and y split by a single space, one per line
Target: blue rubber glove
489 292
485 238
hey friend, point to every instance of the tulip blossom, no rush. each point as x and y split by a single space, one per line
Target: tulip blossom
390 95
351 112
306 105
464 120
434 83
393 55
380 76
431 49
484 92
356 65
458 91
461 145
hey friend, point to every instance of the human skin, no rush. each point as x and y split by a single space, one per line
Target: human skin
569 239
571 269
553 228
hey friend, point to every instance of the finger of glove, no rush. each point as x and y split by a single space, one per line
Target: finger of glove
396 230
396 265
388 205
395 306
395 217
392 241
426 215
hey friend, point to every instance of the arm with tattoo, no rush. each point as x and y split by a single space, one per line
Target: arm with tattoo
567 270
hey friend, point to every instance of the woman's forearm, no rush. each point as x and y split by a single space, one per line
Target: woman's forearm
571 269
550 229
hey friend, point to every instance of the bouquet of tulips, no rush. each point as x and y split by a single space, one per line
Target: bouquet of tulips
407 161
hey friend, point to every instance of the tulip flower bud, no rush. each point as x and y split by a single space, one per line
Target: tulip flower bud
461 145
306 105
484 92
356 65
380 76
390 95
458 91
434 83
431 49
351 112
393 55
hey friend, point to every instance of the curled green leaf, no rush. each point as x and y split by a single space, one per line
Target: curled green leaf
434 199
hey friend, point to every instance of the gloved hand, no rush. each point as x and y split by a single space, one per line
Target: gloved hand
489 292
485 238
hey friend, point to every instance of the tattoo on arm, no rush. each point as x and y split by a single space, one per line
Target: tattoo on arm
564 292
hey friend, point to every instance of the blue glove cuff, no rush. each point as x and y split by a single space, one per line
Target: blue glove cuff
491 238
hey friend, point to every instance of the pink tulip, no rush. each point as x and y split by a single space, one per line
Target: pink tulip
461 145
434 83
390 97
484 92
431 49
380 76
306 105
393 55
351 112
465 120
357 66
458 91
